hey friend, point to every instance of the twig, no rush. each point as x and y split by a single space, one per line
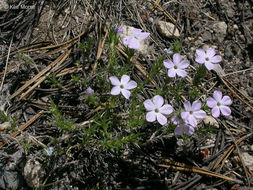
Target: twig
23 127
99 52
239 153
6 64
186 168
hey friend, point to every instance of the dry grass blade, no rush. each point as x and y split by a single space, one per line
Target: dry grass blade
183 167
239 153
165 13
37 76
155 4
229 151
65 55
23 127
99 52
219 71
138 65
75 39
6 64
68 71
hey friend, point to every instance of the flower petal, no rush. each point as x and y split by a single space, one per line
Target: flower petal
175 120
171 72
217 95
168 63
166 109
161 119
189 130
115 90
183 64
192 121
196 105
209 65
126 93
179 130
158 101
200 59
114 80
210 52
130 85
176 58
151 116
201 53
200 114
187 106
216 59
185 115
216 111
225 110
134 44
226 100
127 40
181 72
139 34
149 105
124 79
211 102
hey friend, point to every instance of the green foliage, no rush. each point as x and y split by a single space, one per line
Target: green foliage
208 129
176 46
4 117
26 58
85 48
177 90
76 78
54 81
59 119
157 65
201 73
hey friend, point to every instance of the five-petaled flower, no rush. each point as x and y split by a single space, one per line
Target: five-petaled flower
183 127
208 57
219 104
156 110
133 41
176 67
193 112
123 86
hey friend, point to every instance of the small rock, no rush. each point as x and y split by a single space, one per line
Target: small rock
248 160
220 31
167 29
4 126
4 6
9 179
207 36
209 120
33 173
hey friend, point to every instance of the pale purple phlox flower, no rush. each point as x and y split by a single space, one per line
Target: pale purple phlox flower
193 112
133 41
207 57
156 110
219 104
123 86
177 66
182 127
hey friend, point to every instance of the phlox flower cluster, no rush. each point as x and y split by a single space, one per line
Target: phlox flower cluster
157 109
133 41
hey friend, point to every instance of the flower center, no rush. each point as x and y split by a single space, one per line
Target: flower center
207 59
191 112
121 86
156 110
218 104
175 67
